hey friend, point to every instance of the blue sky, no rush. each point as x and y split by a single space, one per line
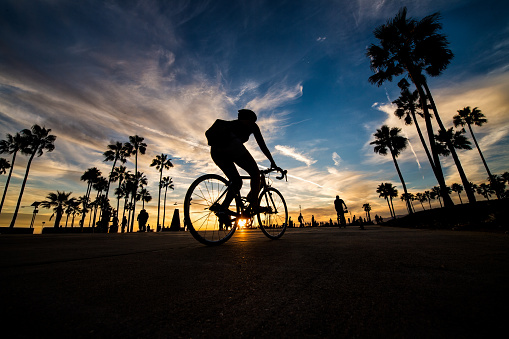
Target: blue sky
99 71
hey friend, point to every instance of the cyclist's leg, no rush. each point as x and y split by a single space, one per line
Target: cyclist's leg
223 158
246 161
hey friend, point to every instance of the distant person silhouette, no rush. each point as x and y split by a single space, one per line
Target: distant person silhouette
338 205
301 220
142 220
227 139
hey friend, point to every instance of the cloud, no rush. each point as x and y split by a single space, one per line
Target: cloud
336 158
293 153
277 95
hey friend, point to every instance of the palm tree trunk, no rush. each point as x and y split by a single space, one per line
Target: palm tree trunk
109 179
393 211
482 158
85 204
136 187
16 210
464 180
388 204
159 197
66 220
8 180
424 145
409 207
459 195
164 206
437 168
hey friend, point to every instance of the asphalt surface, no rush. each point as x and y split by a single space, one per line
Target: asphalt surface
312 283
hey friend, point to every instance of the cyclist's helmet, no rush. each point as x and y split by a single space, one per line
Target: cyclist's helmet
247 114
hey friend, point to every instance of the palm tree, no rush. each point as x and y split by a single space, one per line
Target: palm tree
133 147
485 190
421 198
497 183
144 196
449 140
367 207
469 117
91 176
166 182
58 201
435 193
11 145
458 189
408 109
428 196
119 173
412 47
161 162
37 140
389 139
116 152
100 185
387 191
408 197
4 165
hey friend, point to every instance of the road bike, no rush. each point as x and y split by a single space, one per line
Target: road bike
212 224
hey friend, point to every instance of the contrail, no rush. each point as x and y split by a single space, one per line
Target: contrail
313 183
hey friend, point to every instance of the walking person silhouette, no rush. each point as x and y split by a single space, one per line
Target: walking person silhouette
227 139
338 205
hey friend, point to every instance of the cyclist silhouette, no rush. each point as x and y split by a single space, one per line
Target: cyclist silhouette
227 139
338 205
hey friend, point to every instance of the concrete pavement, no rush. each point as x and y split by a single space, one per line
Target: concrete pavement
313 283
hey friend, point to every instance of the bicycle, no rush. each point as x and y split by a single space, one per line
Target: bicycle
212 225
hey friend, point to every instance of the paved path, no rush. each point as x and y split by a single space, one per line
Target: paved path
313 283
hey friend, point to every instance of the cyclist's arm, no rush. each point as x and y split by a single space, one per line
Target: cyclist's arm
262 145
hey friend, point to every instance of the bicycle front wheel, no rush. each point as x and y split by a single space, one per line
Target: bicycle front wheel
201 222
272 213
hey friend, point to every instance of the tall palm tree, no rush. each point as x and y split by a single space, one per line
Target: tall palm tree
37 140
91 176
100 185
367 208
387 191
166 182
133 147
469 117
410 47
408 109
119 173
116 152
458 189
388 139
57 201
4 166
161 162
11 145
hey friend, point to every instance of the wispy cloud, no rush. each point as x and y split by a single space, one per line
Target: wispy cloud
293 153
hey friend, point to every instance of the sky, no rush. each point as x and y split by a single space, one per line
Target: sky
96 72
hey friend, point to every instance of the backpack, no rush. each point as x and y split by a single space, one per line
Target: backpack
219 134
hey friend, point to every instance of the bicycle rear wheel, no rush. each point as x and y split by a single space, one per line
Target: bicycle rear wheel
203 223
272 213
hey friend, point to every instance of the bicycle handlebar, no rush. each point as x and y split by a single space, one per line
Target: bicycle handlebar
276 169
